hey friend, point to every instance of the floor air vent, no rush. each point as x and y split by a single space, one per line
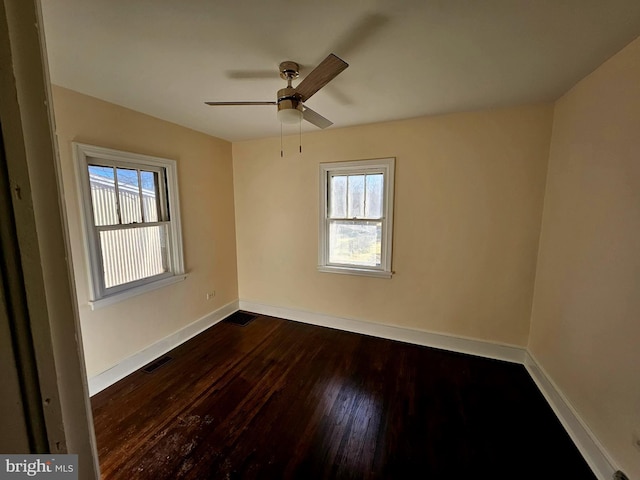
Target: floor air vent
156 364
240 318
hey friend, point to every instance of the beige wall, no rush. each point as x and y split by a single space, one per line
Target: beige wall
112 333
469 195
586 316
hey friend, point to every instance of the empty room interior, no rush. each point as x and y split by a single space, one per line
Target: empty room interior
407 248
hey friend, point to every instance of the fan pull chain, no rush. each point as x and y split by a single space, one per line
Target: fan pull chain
300 135
281 153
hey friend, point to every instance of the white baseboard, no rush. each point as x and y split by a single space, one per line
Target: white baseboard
509 353
590 448
130 364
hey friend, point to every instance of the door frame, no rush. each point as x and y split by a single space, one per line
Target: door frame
42 274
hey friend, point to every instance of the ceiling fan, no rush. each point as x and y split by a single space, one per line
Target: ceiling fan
290 100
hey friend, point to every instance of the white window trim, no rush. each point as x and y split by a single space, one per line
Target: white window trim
84 155
387 167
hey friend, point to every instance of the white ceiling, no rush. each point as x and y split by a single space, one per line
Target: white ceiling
407 57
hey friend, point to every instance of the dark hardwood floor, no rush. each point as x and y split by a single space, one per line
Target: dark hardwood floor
279 399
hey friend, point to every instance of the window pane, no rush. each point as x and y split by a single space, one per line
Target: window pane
130 254
103 195
150 195
356 196
373 198
355 243
338 197
129 191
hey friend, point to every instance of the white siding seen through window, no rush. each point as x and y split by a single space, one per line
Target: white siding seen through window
132 221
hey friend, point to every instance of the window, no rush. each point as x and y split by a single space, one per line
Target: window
131 222
356 217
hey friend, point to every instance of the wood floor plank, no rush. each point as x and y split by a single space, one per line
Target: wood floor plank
279 399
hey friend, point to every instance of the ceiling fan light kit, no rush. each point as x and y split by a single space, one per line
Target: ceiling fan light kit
289 115
289 106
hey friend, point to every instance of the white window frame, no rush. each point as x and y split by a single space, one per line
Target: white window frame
86 155
386 166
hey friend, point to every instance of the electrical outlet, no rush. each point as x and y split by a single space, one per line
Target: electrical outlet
211 294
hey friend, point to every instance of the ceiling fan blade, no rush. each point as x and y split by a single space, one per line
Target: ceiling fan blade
239 103
328 69
315 118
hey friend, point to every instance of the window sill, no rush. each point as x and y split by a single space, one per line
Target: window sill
355 271
132 292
